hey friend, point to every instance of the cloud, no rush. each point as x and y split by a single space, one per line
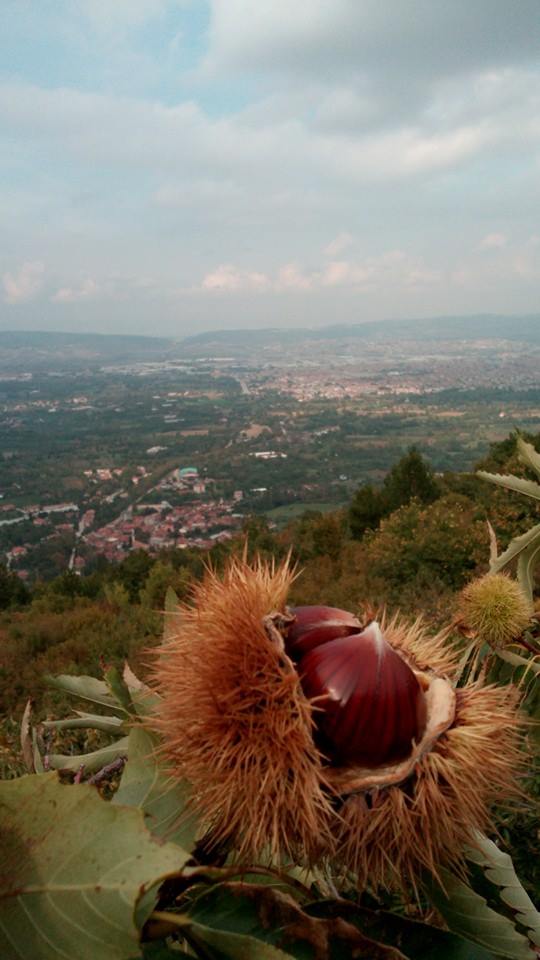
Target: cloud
104 130
338 148
25 283
229 279
392 268
291 277
87 289
349 32
364 40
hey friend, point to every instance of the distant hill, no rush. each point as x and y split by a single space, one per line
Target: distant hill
484 326
29 350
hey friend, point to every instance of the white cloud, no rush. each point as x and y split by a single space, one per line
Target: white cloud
392 268
88 289
395 268
98 129
25 283
292 277
227 278
403 152
310 119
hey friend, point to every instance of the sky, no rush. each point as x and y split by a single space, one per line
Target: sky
174 166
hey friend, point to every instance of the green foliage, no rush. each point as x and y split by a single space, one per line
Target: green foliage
98 886
90 865
163 801
467 913
68 584
34 643
116 595
504 453
13 592
366 511
415 557
317 535
258 536
439 546
420 555
162 576
499 871
133 571
526 547
409 479
253 921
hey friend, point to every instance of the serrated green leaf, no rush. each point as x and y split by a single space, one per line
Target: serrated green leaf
223 944
91 761
414 939
131 679
72 869
146 785
88 688
515 548
493 548
517 484
528 455
145 700
527 561
119 689
145 703
271 917
499 869
468 915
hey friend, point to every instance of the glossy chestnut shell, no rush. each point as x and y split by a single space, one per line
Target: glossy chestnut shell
369 704
315 625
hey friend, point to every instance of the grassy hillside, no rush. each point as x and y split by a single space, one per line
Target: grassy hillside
415 552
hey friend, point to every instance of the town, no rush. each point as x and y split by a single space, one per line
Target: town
101 459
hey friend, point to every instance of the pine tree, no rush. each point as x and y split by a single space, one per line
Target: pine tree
366 511
410 478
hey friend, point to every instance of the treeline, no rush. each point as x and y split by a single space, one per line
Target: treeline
410 543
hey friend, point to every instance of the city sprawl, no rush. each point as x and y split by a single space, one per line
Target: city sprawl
107 451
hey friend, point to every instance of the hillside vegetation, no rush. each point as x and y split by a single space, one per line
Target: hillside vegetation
410 544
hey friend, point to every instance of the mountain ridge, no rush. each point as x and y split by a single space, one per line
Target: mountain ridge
40 348
468 327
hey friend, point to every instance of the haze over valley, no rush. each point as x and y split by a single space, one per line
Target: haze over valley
111 444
